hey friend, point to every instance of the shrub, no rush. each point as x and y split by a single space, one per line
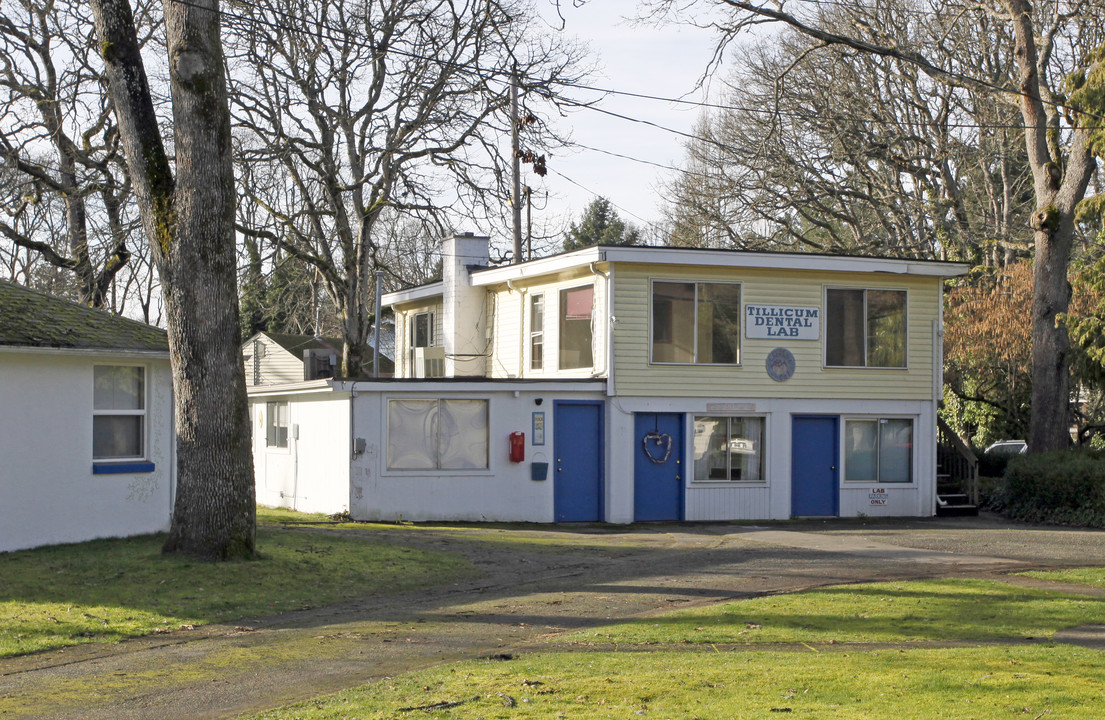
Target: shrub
1066 488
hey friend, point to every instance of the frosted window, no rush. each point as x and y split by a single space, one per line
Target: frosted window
411 435
437 434
462 434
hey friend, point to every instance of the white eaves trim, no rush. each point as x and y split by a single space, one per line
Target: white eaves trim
541 266
293 388
718 258
422 292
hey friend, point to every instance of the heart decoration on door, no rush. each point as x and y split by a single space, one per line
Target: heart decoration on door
661 442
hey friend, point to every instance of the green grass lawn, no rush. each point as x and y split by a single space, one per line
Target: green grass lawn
877 612
689 676
971 683
1094 576
107 590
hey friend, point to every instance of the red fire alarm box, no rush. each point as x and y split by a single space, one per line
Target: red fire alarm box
517 446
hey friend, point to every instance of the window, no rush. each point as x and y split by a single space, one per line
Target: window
537 332
421 334
696 323
865 328
728 449
437 434
119 412
276 424
575 327
878 450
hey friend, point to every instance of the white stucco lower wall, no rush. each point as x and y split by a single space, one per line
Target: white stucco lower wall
50 494
505 491
311 474
771 499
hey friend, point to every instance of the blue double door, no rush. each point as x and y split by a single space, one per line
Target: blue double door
815 457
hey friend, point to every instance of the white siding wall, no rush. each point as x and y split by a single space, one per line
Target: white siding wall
772 499
503 492
312 473
50 493
510 353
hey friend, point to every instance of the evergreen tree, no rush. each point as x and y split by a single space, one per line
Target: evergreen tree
600 225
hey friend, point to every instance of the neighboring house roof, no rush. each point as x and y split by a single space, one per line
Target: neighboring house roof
29 318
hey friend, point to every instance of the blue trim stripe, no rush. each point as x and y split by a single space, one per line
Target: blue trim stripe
120 468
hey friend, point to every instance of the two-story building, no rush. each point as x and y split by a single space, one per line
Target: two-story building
622 384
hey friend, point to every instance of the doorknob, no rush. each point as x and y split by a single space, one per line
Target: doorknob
832 467
678 478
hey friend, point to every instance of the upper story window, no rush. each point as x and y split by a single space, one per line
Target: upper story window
575 327
878 450
537 331
696 322
276 424
865 328
421 336
119 412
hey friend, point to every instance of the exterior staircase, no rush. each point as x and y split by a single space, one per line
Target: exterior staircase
956 474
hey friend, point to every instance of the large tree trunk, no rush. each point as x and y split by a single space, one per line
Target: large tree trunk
191 229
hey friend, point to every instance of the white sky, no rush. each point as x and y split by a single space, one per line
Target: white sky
663 61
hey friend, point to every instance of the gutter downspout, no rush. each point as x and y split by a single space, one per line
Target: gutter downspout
608 338
521 326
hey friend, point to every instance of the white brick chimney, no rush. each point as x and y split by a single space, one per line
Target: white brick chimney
464 308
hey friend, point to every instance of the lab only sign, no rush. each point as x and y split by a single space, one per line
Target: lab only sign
793 322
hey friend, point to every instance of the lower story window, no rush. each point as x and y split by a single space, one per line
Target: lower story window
879 450
438 434
728 449
119 412
276 425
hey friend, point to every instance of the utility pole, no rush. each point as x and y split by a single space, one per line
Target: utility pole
529 222
516 152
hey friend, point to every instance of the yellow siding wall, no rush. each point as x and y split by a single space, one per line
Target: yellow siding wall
403 315
634 375
510 354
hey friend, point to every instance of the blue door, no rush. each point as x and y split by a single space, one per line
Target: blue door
658 472
814 461
578 443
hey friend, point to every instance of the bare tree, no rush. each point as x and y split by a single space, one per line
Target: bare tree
189 221
1055 81
823 148
361 109
58 140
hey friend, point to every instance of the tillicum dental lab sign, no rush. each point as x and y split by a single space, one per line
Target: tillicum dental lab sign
793 322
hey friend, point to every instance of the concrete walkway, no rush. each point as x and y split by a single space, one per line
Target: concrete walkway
522 601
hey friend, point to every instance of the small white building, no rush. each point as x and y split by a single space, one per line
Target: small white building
625 384
273 358
86 423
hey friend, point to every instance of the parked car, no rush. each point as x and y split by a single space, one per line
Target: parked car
997 455
1007 448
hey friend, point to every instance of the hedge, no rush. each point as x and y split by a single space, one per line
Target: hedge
1065 488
